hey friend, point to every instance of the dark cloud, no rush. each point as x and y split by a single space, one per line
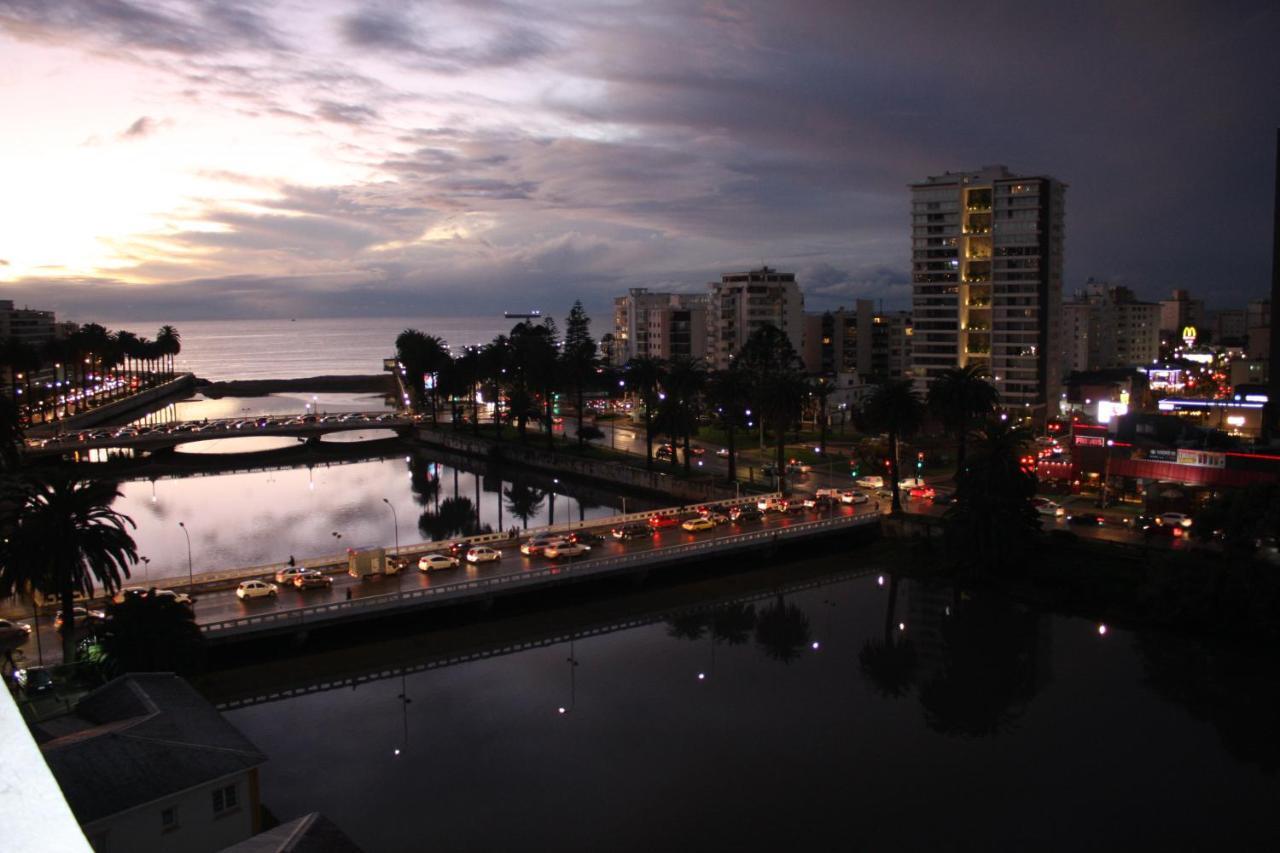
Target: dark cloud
345 113
397 31
144 126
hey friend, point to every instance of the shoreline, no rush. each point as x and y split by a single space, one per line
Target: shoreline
380 383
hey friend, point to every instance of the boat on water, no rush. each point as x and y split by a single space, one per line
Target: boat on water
522 315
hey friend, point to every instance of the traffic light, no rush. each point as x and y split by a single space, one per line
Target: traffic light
853 468
920 461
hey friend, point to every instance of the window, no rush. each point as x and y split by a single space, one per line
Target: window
169 819
224 799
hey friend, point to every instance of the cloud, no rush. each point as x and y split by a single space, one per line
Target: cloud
345 113
477 41
143 126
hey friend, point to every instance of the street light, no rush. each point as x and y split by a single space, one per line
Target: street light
190 581
396 518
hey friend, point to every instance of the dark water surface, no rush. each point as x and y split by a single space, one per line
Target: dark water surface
859 715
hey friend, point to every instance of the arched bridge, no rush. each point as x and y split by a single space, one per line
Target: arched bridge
165 436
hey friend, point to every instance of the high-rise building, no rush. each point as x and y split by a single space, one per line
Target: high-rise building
26 325
987 280
659 325
1180 311
1106 326
876 345
742 302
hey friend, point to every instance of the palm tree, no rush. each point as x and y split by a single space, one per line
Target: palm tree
494 359
889 663
774 371
170 343
782 630
821 389
524 501
66 537
152 634
684 384
11 436
961 397
993 519
424 358
894 408
728 392
644 375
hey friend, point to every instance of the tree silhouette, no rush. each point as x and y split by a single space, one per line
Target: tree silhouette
962 397
152 634
992 523
524 501
782 630
889 662
896 409
732 624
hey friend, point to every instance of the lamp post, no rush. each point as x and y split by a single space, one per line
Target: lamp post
395 516
190 577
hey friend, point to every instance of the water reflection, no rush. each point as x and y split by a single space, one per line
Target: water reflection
782 630
889 661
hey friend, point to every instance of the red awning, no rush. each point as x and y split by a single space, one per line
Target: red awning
1192 475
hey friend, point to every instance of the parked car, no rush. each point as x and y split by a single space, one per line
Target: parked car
431 562
483 554
312 580
745 512
256 589
535 546
563 550
695 525
632 531
80 617
34 680
286 574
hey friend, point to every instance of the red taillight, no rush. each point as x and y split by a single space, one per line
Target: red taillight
1177 531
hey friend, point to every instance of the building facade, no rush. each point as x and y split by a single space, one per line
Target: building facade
658 325
987 280
1106 326
742 302
876 345
1180 311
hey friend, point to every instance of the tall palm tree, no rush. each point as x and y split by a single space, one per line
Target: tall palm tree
961 397
894 408
685 382
644 375
170 343
889 663
67 536
778 387
728 393
992 517
524 501
821 389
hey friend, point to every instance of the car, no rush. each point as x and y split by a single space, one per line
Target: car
10 630
723 451
127 593
659 521
459 548
286 574
1088 519
431 562
745 512
694 525
1048 507
698 451
535 546
771 505
834 494
584 537
34 680
911 483
869 482
663 453
632 531
483 554
256 589
177 597
795 507
944 497
563 550
80 618
769 470
808 502
922 493
851 497
312 579
1173 519
796 467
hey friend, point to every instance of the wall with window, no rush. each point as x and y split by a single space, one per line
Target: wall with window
201 820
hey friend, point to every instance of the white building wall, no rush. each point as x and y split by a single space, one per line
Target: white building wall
198 829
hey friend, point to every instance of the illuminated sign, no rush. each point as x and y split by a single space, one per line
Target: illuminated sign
1202 458
1091 441
1108 410
1189 335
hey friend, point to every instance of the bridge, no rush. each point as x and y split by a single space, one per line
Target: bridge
168 436
330 613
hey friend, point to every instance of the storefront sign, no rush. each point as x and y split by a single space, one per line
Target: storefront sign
1091 441
1202 458
1157 455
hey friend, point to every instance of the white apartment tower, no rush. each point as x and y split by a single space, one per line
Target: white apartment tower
1106 326
742 302
659 325
987 280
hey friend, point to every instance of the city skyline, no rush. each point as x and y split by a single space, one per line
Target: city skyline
270 159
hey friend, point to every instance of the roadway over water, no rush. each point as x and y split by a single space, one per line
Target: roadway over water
166 437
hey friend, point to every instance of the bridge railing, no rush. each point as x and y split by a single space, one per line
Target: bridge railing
582 570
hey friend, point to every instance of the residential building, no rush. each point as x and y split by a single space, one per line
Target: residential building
987 280
874 344
740 303
659 325
1106 326
1179 312
1229 326
147 764
1258 328
27 325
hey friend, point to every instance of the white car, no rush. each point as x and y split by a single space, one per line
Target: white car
256 589
1048 507
724 451
911 483
535 546
179 597
288 573
872 482
1173 519
429 562
851 497
483 554
564 550
693 525
10 630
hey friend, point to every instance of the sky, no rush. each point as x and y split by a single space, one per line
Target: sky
300 158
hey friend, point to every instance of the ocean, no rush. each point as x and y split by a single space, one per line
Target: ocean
222 350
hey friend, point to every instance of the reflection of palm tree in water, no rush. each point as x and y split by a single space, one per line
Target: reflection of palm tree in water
889 663
524 501
782 630
424 485
456 517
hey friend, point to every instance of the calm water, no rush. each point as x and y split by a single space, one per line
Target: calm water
255 518
281 349
978 726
